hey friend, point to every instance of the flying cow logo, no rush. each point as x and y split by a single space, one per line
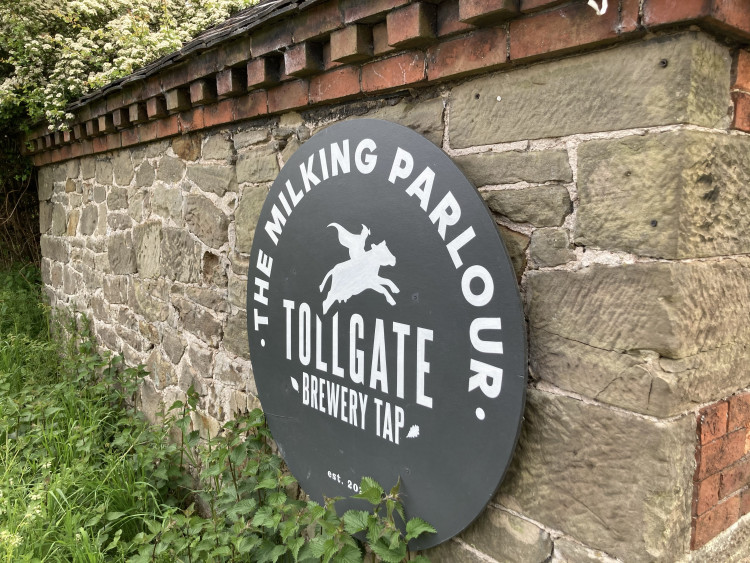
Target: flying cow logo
361 271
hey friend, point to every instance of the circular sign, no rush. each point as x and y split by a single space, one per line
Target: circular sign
386 331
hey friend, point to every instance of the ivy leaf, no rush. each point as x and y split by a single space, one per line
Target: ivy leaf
416 527
355 520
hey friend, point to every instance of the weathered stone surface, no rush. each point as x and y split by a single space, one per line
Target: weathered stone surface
673 195
99 194
54 249
104 171
672 335
250 137
149 331
88 167
170 170
187 147
550 247
567 551
137 200
613 481
115 289
145 176
162 371
212 178
198 320
541 206
453 552
117 198
119 221
73 217
167 202
59 219
246 216
218 147
121 254
123 168
516 245
106 336
207 221
731 545
507 538
235 335
535 167
238 292
70 186
89 220
72 280
603 91
45 216
149 298
201 359
174 346
258 165
291 147
425 117
214 272
180 255
213 299
45 183
147 238
228 372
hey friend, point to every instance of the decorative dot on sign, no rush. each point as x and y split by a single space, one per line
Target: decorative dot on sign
480 413
263 342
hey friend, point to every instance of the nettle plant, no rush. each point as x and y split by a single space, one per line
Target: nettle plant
53 51
249 508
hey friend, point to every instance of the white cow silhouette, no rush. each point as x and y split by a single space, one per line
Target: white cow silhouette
359 273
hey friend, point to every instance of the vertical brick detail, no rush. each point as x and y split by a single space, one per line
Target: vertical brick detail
177 99
203 91
303 59
721 484
741 119
412 25
742 71
231 82
353 43
483 11
156 107
121 118
105 123
262 72
137 113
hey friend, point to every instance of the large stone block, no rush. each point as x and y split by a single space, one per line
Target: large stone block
541 206
117 198
258 166
207 221
235 335
59 220
424 117
149 298
123 168
507 538
218 147
180 255
145 176
121 254
536 167
199 321
167 202
89 219
672 195
170 170
213 178
616 482
104 171
246 216
657 338
45 183
147 238
615 89
54 248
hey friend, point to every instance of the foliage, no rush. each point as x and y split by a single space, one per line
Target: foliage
83 477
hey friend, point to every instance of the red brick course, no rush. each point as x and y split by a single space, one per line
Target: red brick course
715 521
412 25
394 72
484 49
336 84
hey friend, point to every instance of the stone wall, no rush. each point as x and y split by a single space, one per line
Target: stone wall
619 187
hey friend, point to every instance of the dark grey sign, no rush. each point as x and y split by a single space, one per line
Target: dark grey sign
386 331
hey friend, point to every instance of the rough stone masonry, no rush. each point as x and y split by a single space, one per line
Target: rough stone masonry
617 173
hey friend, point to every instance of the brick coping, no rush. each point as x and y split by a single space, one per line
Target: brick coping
343 49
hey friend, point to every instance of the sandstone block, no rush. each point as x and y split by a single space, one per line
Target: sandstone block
228 372
137 200
54 249
72 280
73 217
199 321
506 537
567 551
452 552
162 371
671 335
99 194
213 299
187 147
257 166
119 221
45 216
174 346
117 198
149 299
575 465
218 147
201 359
121 254
216 179
608 90
180 255
89 220
550 247
59 220
214 272
424 117
516 245
541 206
246 216
45 183
88 167
145 176
115 289
104 171
238 292
123 168
207 221
235 335
250 137
147 238
674 195
170 170
167 202
510 167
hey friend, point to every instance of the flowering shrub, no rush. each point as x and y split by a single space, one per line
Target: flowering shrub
53 51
